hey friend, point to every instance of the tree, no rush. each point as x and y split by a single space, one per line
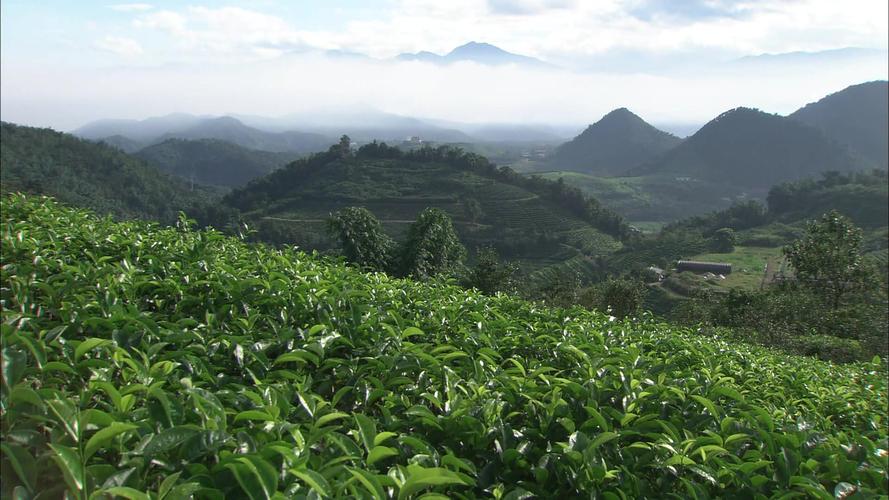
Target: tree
362 238
432 246
490 275
827 259
344 147
621 296
724 240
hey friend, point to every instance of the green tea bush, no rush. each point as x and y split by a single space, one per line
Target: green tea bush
163 363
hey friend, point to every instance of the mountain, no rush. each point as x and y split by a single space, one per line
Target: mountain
611 146
212 161
96 176
844 55
230 129
132 133
533 221
857 116
752 149
143 131
481 53
122 143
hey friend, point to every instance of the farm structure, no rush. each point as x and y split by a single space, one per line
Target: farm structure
703 267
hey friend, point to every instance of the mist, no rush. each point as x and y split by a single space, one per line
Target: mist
67 97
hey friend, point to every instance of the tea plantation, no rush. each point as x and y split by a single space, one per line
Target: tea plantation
165 363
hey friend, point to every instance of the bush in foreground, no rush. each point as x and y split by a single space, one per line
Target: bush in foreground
146 359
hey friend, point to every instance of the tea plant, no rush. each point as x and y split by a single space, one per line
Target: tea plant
162 363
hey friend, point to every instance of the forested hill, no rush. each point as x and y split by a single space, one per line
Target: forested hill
525 218
753 149
212 161
230 129
96 176
857 116
619 141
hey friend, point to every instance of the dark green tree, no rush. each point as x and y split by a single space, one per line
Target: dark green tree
432 246
344 147
489 274
827 259
362 238
724 240
621 296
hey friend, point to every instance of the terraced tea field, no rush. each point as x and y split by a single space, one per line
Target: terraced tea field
146 362
526 227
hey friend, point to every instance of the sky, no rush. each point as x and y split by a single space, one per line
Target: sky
64 63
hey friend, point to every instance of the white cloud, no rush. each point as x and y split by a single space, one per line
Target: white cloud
119 45
468 92
131 7
559 30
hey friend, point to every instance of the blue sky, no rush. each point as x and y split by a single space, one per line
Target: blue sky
67 62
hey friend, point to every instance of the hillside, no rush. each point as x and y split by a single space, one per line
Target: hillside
218 367
96 176
141 131
652 198
753 150
232 130
613 145
132 133
534 221
212 161
857 116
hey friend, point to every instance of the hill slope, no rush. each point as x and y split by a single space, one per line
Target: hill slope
535 221
212 161
246 356
97 176
752 149
232 130
141 131
184 126
619 141
857 116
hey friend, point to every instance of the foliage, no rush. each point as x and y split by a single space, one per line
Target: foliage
140 360
828 261
754 150
362 239
621 297
724 240
794 319
489 275
855 116
432 246
281 184
619 141
96 176
862 196
213 162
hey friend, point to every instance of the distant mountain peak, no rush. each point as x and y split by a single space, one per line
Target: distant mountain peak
619 141
478 52
751 148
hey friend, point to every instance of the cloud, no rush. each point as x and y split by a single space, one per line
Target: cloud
466 92
131 7
120 46
558 31
225 32
526 7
